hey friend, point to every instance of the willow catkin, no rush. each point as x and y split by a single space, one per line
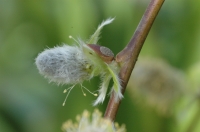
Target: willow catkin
63 65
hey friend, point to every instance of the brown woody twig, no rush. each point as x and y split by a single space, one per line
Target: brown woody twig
128 56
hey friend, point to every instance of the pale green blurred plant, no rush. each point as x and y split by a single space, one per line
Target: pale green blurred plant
96 123
189 112
157 84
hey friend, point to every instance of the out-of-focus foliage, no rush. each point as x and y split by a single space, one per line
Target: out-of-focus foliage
156 84
92 123
28 103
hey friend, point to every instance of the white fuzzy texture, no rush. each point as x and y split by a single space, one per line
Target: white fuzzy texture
103 89
95 37
63 65
74 64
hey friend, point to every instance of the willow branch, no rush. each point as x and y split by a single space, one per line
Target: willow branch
128 56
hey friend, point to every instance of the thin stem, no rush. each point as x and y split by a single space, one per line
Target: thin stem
128 56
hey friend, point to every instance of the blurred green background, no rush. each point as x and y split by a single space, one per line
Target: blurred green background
28 103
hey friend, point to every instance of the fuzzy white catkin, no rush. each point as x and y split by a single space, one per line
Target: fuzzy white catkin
77 63
64 65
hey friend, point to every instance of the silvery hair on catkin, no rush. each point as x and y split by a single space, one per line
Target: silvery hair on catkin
63 65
